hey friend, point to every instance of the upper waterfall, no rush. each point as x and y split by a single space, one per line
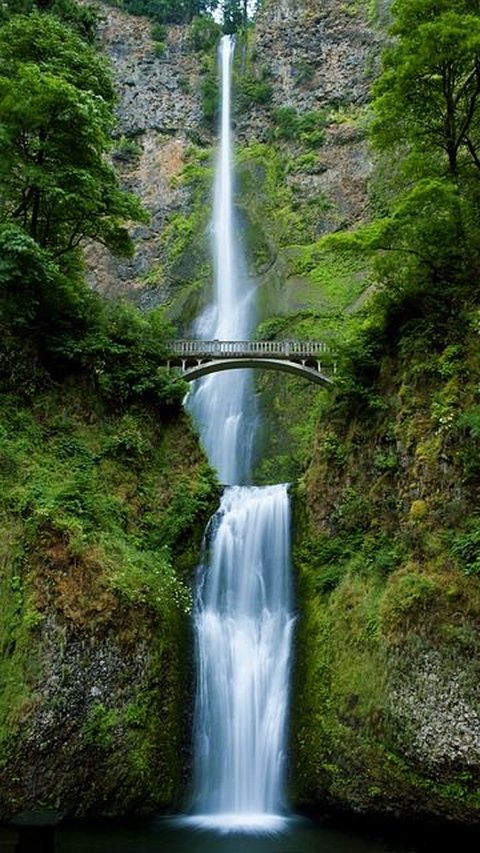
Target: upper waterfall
225 409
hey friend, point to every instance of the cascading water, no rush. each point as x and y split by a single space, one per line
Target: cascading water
243 627
243 620
224 409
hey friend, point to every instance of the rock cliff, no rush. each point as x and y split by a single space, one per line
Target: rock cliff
102 515
322 56
159 112
317 58
387 698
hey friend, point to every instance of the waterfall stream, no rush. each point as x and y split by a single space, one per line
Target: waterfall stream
243 628
224 404
243 620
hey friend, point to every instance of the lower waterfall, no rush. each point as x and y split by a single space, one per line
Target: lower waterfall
243 626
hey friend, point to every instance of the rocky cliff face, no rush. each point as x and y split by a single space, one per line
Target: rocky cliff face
322 56
315 56
388 699
159 112
102 515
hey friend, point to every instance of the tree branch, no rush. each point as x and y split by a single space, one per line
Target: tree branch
473 152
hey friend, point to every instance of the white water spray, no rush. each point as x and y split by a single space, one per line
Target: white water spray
243 620
243 627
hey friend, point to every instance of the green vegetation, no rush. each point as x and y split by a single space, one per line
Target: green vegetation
305 289
387 543
102 515
204 34
234 12
210 91
251 91
126 150
104 491
166 11
185 244
305 128
82 18
57 190
56 108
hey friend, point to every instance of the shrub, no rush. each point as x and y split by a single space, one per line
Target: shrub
203 34
251 91
126 150
210 98
466 547
158 32
162 11
407 599
308 128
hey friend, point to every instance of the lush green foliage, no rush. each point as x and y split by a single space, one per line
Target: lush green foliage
210 91
80 17
57 189
53 325
388 555
424 242
429 91
251 91
56 113
104 495
167 11
234 14
389 566
305 128
204 34
102 514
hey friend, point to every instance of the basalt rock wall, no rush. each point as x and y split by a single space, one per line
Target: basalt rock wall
315 57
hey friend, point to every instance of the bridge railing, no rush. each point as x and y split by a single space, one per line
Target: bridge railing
241 348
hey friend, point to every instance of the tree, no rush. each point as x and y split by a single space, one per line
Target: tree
428 96
82 18
234 15
170 11
56 115
426 245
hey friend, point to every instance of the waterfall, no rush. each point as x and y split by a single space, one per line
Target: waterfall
224 404
243 627
242 618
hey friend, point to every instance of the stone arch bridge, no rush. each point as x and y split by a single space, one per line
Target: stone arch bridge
302 358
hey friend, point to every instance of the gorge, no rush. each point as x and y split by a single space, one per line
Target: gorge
353 238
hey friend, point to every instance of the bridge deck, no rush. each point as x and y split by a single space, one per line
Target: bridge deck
243 349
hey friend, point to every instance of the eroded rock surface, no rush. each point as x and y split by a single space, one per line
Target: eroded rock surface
317 56
159 110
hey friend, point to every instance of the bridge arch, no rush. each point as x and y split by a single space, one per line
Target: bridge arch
304 371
